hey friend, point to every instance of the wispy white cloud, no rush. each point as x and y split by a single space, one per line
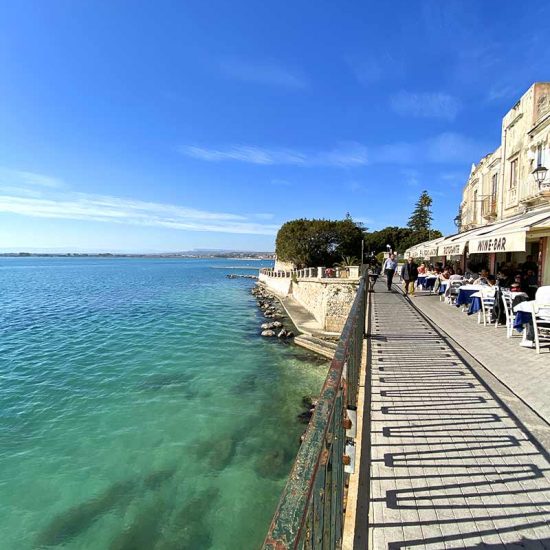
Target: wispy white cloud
109 209
411 176
24 178
425 105
444 148
270 74
281 182
346 155
369 69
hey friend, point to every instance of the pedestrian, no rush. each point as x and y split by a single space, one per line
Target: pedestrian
390 265
409 274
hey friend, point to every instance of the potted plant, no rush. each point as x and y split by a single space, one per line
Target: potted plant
345 264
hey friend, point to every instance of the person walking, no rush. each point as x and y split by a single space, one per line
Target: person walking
390 265
409 274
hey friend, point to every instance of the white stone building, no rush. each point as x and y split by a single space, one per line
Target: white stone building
505 208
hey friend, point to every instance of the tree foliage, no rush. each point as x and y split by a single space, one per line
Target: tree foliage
312 243
421 218
399 239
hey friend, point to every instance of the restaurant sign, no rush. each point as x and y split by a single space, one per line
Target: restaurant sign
427 252
505 242
451 249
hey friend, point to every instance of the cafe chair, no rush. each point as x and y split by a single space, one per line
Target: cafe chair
487 302
452 291
507 300
541 323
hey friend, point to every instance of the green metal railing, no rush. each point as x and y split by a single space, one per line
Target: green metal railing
310 513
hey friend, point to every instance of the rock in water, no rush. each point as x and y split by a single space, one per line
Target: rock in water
268 333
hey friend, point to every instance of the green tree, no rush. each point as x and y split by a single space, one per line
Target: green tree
421 218
376 241
311 243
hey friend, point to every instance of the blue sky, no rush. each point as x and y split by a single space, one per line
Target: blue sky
163 126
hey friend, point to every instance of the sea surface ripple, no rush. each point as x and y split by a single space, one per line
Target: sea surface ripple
139 409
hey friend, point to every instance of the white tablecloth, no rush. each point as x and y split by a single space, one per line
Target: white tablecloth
526 307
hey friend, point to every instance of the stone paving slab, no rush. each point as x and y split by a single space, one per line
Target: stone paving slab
451 467
524 371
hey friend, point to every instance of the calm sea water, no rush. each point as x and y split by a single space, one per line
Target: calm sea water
139 408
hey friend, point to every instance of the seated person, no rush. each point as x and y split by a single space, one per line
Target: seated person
491 280
482 279
422 269
457 276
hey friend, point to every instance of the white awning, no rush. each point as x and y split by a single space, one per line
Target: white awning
509 235
425 250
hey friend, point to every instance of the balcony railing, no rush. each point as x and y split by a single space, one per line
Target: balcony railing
310 513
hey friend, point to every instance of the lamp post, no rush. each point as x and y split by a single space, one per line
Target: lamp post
539 173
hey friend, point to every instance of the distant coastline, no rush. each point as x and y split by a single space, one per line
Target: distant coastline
250 256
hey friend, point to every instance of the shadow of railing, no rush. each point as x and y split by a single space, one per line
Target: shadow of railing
452 466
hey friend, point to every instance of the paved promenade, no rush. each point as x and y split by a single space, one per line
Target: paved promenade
523 370
452 467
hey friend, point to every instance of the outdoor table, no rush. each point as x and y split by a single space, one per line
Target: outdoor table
465 293
430 282
443 287
523 313
421 281
475 303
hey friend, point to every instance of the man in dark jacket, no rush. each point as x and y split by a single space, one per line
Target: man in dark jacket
409 274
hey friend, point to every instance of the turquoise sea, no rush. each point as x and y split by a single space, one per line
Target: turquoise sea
139 408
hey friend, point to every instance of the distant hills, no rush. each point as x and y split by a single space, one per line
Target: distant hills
197 253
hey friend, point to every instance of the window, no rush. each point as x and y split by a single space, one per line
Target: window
514 174
539 156
494 185
475 206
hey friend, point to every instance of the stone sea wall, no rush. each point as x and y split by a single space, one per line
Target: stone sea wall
328 300
279 286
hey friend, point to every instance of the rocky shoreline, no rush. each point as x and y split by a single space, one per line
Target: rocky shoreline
271 309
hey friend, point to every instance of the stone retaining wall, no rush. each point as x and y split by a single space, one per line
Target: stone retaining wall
328 300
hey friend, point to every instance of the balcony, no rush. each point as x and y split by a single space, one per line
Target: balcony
489 207
511 197
536 195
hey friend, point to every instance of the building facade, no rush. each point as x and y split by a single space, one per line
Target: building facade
504 218
502 184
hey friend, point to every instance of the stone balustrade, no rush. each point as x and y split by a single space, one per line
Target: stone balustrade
351 272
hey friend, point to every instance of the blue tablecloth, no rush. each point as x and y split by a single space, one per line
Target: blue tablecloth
421 281
464 295
443 288
475 305
429 284
521 318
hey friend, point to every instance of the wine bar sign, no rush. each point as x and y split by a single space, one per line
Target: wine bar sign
504 242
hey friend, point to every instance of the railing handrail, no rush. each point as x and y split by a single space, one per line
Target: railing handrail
311 272
320 447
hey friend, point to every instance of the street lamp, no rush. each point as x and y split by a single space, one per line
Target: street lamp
539 173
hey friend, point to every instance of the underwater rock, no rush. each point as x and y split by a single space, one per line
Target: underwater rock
155 479
273 464
189 529
78 519
217 453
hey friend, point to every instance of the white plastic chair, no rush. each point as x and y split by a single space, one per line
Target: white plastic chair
487 302
541 323
507 300
452 291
